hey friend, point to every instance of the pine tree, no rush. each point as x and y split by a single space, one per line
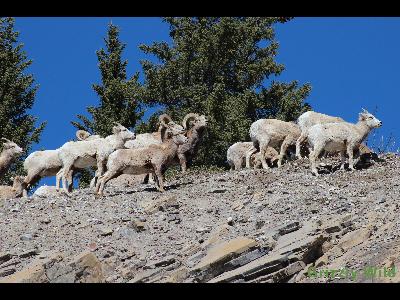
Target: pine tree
17 95
220 67
118 95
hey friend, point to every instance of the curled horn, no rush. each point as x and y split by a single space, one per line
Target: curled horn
164 119
187 118
82 135
6 140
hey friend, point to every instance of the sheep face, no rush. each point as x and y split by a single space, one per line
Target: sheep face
176 132
124 133
200 121
18 183
12 147
369 119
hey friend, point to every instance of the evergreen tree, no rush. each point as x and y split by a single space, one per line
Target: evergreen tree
17 95
118 95
219 66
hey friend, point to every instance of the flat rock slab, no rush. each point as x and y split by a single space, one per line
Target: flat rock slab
295 246
224 250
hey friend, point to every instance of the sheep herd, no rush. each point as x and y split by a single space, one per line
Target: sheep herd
124 152
318 131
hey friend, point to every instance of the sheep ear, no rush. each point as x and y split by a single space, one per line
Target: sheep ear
116 130
82 135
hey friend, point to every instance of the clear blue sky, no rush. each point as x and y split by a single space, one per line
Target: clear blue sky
350 63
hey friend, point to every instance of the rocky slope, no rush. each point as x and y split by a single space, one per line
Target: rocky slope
278 225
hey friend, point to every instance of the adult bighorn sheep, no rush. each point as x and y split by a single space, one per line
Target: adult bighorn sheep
192 122
45 163
11 151
274 133
144 160
84 154
309 119
195 125
343 137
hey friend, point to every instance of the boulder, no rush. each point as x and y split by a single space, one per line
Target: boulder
87 268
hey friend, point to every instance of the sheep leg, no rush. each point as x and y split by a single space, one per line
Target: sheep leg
350 154
65 172
58 179
182 161
314 156
159 179
151 178
342 159
104 179
100 170
284 147
237 164
263 149
70 180
92 183
299 142
249 153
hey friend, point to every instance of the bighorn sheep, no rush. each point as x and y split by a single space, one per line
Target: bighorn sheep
195 125
343 137
84 154
192 122
274 133
11 151
144 160
83 135
14 191
46 163
308 119
236 155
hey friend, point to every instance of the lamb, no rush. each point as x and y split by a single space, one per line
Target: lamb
84 154
14 191
308 119
46 163
145 160
343 137
274 133
11 151
236 155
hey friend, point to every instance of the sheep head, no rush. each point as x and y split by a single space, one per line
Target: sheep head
124 133
174 131
18 183
194 120
82 135
12 147
369 119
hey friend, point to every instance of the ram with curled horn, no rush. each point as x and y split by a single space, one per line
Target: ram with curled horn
195 125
